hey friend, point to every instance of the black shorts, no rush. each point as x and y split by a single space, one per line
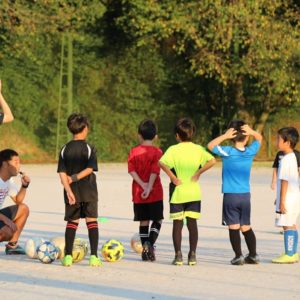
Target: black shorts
81 210
10 212
179 211
148 211
236 209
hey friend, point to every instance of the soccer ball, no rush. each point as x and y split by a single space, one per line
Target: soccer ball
80 248
136 244
47 252
31 246
112 250
59 243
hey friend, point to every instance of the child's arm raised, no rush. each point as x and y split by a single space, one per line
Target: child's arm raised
229 134
168 171
249 131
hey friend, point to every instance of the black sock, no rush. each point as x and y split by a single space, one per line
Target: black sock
193 233
177 234
70 236
235 239
93 236
250 241
144 234
154 232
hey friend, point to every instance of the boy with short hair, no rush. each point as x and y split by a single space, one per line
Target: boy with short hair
288 194
14 217
236 167
147 191
76 166
184 163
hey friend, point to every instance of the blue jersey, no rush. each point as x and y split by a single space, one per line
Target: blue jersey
236 167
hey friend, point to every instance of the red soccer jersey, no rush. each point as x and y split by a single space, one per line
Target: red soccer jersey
144 160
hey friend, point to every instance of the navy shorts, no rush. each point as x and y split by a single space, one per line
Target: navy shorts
10 212
236 209
148 211
81 210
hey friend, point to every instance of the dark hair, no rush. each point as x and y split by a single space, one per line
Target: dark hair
237 124
185 128
289 134
147 129
77 122
7 155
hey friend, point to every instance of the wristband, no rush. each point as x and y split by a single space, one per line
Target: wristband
74 178
25 186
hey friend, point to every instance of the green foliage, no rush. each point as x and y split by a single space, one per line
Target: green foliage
238 44
210 60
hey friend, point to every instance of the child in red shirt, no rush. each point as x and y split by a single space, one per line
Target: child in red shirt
147 191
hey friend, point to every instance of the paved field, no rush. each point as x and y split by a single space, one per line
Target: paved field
212 278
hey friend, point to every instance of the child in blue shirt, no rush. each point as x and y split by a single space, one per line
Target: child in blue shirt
237 162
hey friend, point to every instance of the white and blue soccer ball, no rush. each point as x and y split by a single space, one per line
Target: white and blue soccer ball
31 246
47 252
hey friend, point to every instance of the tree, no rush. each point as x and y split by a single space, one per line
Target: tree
250 48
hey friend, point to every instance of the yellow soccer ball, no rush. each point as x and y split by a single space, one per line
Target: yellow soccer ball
112 251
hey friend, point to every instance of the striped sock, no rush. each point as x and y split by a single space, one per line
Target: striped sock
93 236
144 235
289 242
154 232
70 236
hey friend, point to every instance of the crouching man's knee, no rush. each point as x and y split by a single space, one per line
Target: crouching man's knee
24 210
6 233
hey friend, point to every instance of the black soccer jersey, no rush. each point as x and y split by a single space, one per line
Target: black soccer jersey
74 157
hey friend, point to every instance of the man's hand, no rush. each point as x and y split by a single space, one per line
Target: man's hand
25 180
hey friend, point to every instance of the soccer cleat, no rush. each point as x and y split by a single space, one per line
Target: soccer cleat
284 259
67 261
14 250
146 250
296 257
95 261
151 253
252 260
238 261
192 259
178 259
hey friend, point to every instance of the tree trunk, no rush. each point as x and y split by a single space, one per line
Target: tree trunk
260 124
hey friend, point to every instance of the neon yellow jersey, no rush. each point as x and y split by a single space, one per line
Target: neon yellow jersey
185 159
